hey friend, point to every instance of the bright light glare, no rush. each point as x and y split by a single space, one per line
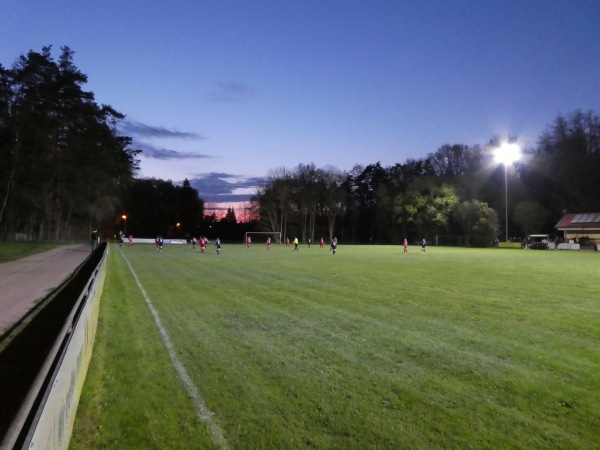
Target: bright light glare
507 153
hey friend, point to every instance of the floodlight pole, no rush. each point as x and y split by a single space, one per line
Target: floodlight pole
507 153
506 201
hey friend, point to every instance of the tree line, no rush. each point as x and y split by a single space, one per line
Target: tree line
457 194
65 168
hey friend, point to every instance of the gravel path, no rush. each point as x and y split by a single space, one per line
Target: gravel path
23 283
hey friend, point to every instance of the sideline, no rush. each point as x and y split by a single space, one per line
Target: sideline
205 414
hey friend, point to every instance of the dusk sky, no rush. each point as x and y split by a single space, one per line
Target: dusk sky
221 92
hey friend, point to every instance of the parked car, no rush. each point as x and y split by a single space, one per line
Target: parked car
537 242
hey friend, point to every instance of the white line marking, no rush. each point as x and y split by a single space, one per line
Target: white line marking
205 414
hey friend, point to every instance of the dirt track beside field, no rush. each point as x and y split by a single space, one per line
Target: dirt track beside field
25 282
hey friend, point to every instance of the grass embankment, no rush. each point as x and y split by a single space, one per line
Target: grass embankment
369 348
11 251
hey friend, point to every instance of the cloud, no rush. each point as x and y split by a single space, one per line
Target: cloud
218 187
140 131
230 92
137 129
150 151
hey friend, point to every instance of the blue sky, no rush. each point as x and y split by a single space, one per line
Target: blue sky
220 92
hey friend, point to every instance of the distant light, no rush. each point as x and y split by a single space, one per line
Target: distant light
124 217
178 225
507 153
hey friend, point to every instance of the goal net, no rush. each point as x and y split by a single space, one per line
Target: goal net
261 236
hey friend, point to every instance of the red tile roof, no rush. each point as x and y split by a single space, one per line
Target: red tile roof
582 221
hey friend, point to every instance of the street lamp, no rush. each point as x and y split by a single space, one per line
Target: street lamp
506 154
124 217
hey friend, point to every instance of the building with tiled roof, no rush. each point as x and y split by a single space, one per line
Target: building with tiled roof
580 225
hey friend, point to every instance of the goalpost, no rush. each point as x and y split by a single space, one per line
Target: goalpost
276 235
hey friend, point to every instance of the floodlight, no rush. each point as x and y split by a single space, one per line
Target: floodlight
507 153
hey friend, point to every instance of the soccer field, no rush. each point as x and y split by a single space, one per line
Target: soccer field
367 348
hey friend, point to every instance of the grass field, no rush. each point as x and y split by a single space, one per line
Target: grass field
368 348
11 251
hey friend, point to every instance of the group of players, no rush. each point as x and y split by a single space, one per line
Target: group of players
332 247
201 242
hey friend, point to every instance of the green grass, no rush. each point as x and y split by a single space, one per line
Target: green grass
369 348
11 251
